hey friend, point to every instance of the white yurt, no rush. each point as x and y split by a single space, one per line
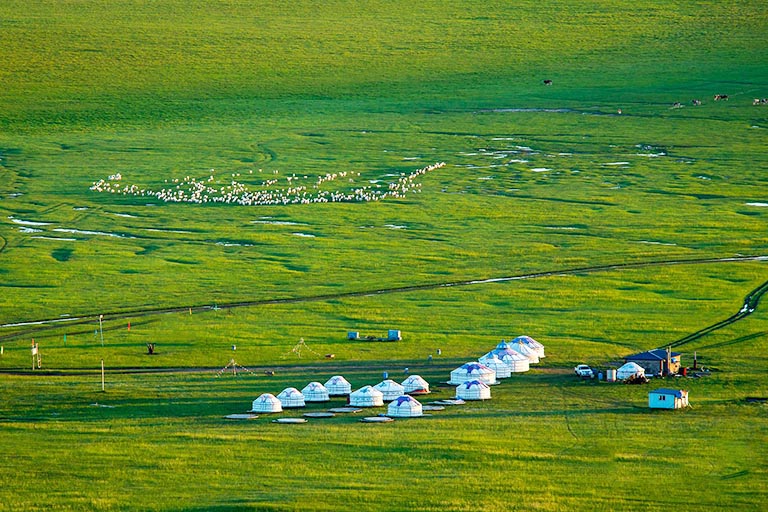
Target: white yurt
473 390
516 361
538 347
501 368
473 371
366 396
315 392
390 389
338 386
404 407
531 353
415 385
628 370
267 403
290 398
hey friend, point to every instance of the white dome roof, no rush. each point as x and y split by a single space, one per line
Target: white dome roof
291 397
267 403
404 407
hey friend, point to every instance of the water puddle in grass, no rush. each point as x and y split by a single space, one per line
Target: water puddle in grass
179 231
93 233
59 239
652 242
29 230
541 169
616 163
305 235
545 111
395 226
233 244
265 220
126 215
757 204
27 222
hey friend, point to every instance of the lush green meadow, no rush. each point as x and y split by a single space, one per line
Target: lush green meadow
544 182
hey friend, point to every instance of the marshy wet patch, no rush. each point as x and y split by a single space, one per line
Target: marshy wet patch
62 254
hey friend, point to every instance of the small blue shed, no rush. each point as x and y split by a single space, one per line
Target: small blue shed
664 398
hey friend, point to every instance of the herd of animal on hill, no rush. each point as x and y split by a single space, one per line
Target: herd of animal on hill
697 102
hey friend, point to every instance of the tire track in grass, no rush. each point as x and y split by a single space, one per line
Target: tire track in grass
34 326
751 302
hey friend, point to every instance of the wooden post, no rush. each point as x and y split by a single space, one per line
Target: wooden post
102 376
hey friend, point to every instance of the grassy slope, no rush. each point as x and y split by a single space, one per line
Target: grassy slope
161 90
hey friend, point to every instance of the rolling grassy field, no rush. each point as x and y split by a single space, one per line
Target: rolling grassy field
551 183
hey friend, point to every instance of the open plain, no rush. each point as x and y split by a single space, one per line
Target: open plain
225 178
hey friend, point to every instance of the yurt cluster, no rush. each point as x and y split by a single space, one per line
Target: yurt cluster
472 381
402 403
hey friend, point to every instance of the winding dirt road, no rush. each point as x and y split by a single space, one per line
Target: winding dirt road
31 327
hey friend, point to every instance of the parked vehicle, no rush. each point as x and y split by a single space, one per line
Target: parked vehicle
584 370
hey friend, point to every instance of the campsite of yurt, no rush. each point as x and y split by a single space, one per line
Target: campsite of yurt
473 371
415 385
338 386
390 389
291 398
231 231
404 407
366 396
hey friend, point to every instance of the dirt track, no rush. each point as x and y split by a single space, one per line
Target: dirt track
31 327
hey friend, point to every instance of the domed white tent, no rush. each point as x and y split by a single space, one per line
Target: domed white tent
291 397
366 396
415 385
473 371
516 361
267 403
315 392
473 390
404 407
390 389
531 353
338 386
501 368
628 370
535 345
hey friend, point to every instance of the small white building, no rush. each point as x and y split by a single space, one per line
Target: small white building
267 403
516 361
404 407
473 371
338 386
629 370
532 343
390 389
473 390
366 396
291 398
501 368
664 398
415 385
315 392
530 352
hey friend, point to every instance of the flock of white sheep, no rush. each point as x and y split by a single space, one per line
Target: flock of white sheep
192 190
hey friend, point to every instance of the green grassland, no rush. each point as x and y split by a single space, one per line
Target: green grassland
556 183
